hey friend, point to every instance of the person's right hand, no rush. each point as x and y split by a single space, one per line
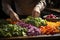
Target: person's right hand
14 17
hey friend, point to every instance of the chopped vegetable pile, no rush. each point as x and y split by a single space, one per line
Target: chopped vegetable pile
36 21
51 16
9 30
30 27
32 30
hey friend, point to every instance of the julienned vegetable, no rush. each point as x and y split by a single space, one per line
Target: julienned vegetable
51 28
36 21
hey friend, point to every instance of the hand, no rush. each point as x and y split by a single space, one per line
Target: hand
14 17
35 13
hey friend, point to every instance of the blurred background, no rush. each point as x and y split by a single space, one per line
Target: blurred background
50 4
2 14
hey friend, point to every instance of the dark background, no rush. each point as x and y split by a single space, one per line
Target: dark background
56 4
2 14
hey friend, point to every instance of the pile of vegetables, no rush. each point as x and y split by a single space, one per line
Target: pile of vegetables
29 27
51 16
36 21
54 24
51 28
32 30
10 30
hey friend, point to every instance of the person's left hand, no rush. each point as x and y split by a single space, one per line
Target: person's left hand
35 13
